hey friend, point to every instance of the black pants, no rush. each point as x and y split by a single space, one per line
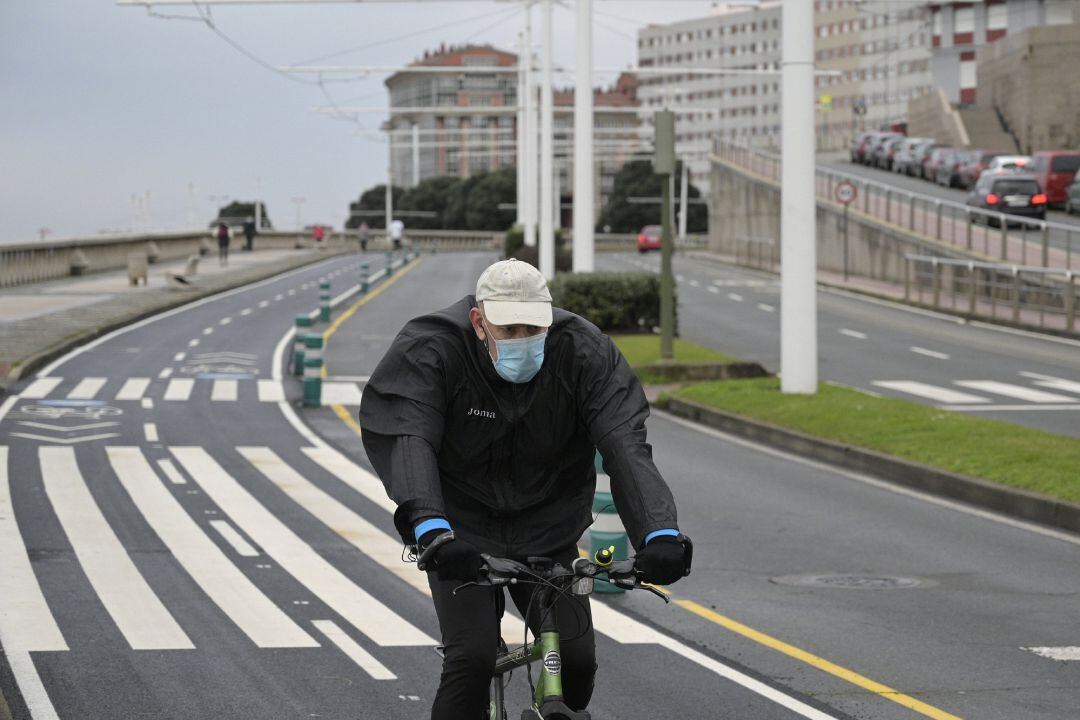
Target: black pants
223 253
470 633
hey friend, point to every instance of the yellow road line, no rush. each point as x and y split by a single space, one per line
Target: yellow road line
820 663
342 413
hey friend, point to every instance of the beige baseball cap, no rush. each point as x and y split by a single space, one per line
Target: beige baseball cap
514 293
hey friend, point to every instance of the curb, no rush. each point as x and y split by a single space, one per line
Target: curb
43 357
1019 504
675 372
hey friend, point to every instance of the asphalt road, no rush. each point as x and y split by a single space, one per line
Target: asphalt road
213 557
885 348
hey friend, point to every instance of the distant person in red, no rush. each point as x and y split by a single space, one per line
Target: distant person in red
319 232
223 243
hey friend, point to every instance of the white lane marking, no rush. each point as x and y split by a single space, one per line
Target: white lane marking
679 278
87 388
292 292
1056 653
930 392
714 290
695 283
171 472
67 428
227 587
48 369
26 622
165 372
270 391
30 686
275 358
138 613
208 331
225 321
150 430
133 389
365 660
348 378
179 356
179 389
41 388
1054 383
766 308
1015 391
224 391
65 441
340 393
1030 407
352 475
296 557
263 303
735 296
853 333
365 537
929 353
277 297
194 342
245 311
235 539
1065 537
147 404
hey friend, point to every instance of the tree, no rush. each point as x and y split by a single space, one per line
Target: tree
431 195
237 212
482 205
370 207
636 179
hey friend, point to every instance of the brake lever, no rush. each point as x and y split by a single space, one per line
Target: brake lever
656 592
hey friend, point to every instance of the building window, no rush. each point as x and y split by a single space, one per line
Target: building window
967 74
964 20
997 16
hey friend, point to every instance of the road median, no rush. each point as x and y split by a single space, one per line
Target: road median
1015 471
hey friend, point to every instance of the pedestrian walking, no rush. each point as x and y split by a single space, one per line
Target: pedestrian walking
223 243
397 231
365 233
249 234
318 232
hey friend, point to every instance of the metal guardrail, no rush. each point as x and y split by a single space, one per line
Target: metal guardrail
1036 296
968 229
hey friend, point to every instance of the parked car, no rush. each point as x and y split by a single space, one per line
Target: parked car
649 238
1016 163
858 146
905 155
1007 192
933 162
919 153
873 148
1055 170
865 147
886 151
1072 196
948 172
974 163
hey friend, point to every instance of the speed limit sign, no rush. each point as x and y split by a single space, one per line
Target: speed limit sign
845 192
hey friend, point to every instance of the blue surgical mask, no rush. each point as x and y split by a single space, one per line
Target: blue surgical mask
520 359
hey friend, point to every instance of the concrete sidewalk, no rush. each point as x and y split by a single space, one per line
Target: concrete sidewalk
38 322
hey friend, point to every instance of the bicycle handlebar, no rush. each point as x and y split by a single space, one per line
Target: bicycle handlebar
505 571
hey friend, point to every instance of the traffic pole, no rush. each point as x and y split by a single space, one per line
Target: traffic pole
365 275
303 324
313 348
389 263
607 531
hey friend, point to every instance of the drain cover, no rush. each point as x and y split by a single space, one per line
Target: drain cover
853 581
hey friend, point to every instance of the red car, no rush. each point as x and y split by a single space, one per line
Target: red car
649 238
1055 170
933 162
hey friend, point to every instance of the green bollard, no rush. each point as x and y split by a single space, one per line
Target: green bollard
313 348
364 275
607 531
324 284
389 263
324 306
303 324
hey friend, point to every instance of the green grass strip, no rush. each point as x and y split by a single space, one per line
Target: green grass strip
645 350
998 451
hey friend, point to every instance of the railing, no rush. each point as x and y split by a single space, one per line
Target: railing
1033 296
966 229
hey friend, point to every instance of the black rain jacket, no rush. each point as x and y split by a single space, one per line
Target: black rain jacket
510 465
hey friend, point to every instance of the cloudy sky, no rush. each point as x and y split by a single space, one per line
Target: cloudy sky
111 118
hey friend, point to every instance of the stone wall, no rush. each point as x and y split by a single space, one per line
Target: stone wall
930 115
1031 79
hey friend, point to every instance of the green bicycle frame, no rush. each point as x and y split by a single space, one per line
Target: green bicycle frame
549 686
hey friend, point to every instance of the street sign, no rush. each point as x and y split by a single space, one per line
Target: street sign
845 192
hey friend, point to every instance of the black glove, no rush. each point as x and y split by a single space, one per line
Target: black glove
456 560
662 561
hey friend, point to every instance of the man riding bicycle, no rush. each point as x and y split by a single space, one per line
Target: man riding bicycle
482 420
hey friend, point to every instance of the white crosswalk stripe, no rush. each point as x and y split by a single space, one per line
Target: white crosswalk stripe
223 583
930 392
270 391
41 388
365 660
1015 391
224 391
133 389
367 614
179 389
1054 383
138 613
87 388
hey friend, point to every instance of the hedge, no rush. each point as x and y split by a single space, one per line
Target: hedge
614 302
